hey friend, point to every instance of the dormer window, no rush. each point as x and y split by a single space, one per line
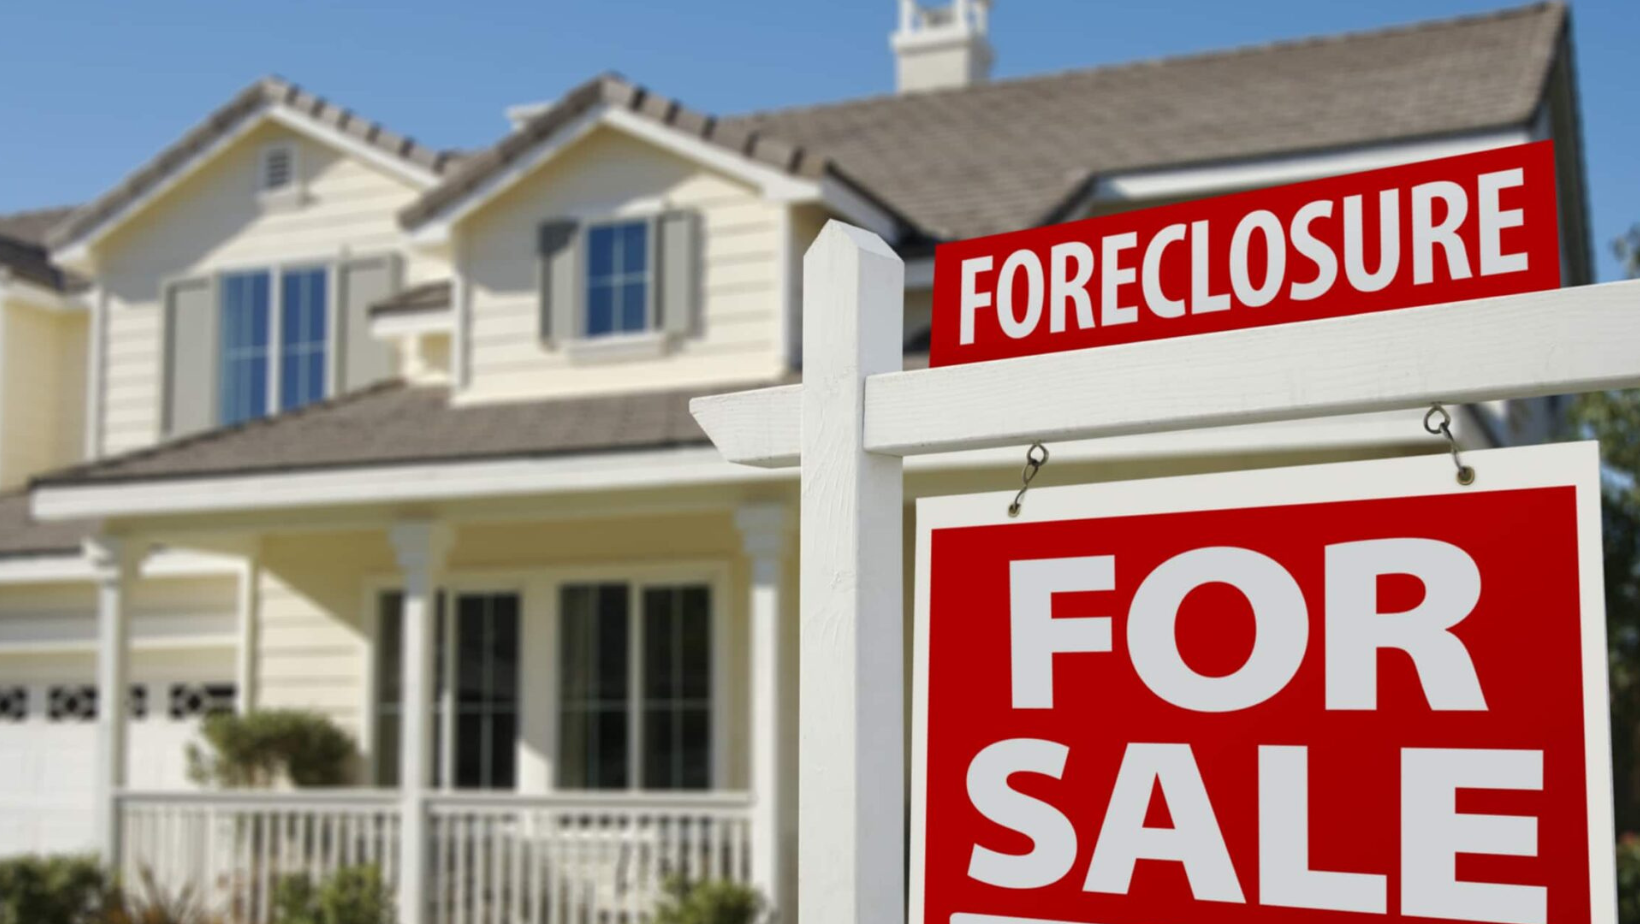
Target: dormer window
276 169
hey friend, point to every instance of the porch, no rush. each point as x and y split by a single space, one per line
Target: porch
489 858
555 714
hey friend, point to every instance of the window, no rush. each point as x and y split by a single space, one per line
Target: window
276 169
635 695
475 686
618 279
302 337
244 371
251 351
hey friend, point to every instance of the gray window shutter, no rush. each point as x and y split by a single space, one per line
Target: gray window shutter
678 272
362 283
557 248
192 356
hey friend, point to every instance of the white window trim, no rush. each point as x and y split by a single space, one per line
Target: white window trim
539 589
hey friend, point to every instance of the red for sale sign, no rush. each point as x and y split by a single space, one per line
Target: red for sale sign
1446 230
1341 693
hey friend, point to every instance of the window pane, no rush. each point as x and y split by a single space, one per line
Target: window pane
632 307
677 674
601 251
470 649
593 693
387 749
389 647
600 309
303 337
503 751
469 751
503 687
634 237
243 363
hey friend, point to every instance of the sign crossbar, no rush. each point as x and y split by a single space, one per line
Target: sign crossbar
1560 341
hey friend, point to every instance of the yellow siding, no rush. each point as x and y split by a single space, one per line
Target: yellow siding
42 387
214 221
314 631
608 174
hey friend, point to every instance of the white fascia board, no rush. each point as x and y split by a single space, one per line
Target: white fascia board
1209 179
32 295
72 567
394 484
438 231
408 171
847 202
78 253
770 182
412 323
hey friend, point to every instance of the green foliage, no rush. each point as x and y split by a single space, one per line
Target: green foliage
1628 879
252 750
1614 419
50 890
354 895
154 905
708 902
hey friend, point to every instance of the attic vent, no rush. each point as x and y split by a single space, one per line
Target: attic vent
278 169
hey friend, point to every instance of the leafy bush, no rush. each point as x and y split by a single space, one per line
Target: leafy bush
50 890
354 895
708 902
1628 879
154 905
254 749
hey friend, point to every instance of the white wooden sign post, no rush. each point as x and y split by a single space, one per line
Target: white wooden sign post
857 414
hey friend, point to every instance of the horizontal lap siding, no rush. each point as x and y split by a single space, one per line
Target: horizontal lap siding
43 390
316 617
214 221
606 175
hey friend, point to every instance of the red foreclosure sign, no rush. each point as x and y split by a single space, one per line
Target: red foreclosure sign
1446 230
1345 693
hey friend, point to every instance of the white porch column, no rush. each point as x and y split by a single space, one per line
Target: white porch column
764 534
420 546
851 749
112 565
249 600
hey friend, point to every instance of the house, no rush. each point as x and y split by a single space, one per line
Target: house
337 421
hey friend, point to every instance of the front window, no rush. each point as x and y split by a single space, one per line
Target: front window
475 690
302 337
618 279
251 352
635 694
244 378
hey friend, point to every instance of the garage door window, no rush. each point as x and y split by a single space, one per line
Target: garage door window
13 704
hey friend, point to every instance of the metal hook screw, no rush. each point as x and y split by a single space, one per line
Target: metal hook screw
1466 474
1033 464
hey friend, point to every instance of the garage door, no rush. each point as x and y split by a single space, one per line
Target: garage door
48 753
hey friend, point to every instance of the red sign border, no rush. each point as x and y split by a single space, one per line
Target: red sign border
1575 465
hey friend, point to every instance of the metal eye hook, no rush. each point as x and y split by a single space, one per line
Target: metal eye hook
1466 474
1035 458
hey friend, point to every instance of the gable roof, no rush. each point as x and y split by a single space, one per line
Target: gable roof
269 92
614 91
1000 156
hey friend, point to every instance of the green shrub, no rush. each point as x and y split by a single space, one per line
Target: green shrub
50 890
252 750
708 902
1628 879
353 895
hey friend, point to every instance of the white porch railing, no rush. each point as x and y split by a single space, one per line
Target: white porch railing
560 859
569 859
229 850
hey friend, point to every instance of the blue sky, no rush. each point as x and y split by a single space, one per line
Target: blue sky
94 89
